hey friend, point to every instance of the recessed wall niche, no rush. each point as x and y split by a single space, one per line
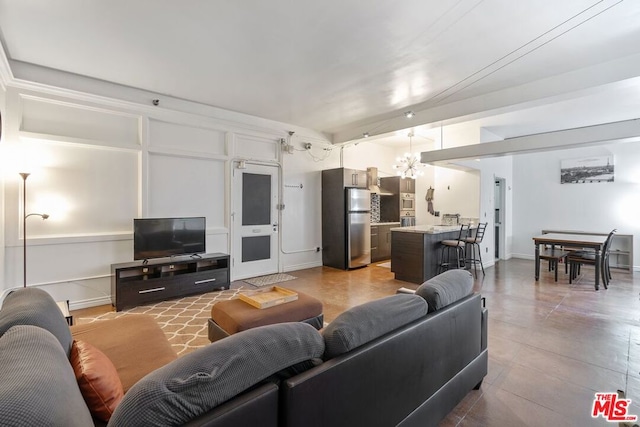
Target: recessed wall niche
186 186
86 190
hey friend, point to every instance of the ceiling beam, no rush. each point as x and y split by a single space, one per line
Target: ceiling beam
574 84
624 131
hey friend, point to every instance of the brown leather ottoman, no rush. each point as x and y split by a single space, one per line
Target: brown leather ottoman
229 317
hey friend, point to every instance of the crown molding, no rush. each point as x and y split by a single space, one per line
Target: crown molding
5 70
30 77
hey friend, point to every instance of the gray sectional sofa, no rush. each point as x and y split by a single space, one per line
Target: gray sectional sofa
401 360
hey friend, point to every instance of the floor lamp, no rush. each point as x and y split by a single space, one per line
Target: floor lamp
24 176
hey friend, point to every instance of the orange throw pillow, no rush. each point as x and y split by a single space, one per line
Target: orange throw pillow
97 378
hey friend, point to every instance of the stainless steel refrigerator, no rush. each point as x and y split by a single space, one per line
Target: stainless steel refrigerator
358 227
346 205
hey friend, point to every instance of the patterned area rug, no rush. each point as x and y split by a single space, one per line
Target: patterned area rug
184 320
269 280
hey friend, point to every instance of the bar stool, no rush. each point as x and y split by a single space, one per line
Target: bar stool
458 245
474 242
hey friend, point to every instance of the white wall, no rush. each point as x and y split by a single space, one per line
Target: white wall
364 155
541 202
300 226
483 174
457 192
97 163
3 93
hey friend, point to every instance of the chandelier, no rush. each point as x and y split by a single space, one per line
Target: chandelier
409 165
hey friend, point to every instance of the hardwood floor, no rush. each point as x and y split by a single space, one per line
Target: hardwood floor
552 346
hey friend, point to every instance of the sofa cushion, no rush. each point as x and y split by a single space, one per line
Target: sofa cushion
33 306
446 288
209 376
97 378
38 387
366 322
146 349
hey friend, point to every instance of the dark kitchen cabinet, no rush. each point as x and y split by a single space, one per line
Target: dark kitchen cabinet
355 178
407 185
384 241
395 184
390 201
381 235
374 243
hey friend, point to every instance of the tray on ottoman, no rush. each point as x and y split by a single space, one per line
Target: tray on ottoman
268 297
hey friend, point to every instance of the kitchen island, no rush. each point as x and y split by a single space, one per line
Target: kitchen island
415 251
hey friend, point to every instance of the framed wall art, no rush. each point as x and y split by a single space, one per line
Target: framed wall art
587 170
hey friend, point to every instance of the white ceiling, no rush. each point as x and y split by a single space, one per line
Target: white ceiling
352 66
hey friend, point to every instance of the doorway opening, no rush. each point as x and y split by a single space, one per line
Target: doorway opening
499 198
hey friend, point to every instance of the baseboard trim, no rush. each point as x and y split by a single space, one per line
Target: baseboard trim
295 267
91 302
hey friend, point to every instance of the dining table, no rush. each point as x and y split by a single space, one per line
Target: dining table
573 241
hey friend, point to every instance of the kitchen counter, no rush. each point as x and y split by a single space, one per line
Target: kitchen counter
386 223
428 229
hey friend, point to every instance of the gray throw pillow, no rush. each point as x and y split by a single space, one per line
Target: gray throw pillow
446 288
364 323
38 386
33 306
199 381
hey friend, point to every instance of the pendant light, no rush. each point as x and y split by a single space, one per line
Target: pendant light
409 165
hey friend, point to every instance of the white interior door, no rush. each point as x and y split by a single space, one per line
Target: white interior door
255 220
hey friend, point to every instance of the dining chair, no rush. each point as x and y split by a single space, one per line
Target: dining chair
577 258
473 242
555 256
458 245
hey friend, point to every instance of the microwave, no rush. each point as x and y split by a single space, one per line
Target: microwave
407 202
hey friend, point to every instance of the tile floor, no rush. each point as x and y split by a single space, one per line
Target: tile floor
552 346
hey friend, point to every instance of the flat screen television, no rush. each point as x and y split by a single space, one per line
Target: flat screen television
163 237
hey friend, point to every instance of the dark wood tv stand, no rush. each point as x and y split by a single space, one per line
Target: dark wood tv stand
135 283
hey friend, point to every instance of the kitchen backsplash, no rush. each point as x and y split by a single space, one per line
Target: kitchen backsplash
375 207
